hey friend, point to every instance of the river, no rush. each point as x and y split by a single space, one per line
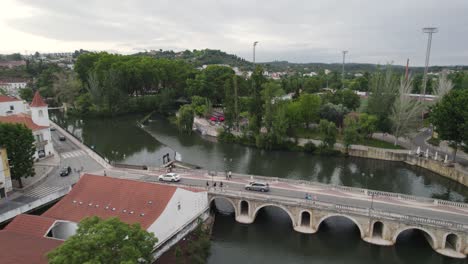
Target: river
271 239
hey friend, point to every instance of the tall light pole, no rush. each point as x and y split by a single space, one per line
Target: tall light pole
254 45
429 31
342 71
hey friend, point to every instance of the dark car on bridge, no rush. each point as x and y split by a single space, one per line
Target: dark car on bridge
257 186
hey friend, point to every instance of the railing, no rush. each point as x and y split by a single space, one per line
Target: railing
343 209
374 193
41 143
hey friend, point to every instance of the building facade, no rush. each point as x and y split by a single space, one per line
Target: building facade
35 117
5 176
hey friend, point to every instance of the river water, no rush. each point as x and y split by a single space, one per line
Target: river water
271 238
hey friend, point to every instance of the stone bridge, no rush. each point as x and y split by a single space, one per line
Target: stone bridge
375 226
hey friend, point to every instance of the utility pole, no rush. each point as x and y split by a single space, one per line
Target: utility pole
407 69
254 45
342 71
429 31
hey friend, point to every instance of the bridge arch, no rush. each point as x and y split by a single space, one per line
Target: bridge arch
361 231
430 237
278 206
231 202
451 241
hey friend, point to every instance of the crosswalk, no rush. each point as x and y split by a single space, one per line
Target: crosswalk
42 191
73 154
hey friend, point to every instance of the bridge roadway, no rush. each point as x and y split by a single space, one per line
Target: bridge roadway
439 220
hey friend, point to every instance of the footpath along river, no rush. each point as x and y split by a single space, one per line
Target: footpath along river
271 238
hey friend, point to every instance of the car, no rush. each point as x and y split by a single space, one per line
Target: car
53 128
62 138
169 177
65 171
257 186
41 154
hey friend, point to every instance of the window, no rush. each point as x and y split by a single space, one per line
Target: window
41 114
12 107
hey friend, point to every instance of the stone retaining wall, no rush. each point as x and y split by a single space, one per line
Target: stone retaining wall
456 172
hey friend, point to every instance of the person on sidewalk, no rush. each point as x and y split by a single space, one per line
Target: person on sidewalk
229 175
221 184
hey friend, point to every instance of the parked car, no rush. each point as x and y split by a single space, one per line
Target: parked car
53 128
65 171
169 177
41 153
257 186
62 138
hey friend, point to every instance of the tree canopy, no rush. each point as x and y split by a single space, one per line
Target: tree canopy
105 241
450 118
19 142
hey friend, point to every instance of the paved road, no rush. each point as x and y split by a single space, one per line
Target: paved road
70 155
420 140
281 189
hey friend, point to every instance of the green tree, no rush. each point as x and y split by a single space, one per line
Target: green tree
384 89
405 111
26 94
333 113
105 241
367 124
309 107
450 118
19 142
329 133
270 93
350 133
185 119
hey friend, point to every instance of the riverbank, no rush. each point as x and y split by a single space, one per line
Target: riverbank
455 171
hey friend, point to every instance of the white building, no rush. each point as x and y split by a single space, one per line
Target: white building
12 87
12 106
165 210
36 119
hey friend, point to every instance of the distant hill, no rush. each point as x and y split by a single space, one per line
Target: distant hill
209 56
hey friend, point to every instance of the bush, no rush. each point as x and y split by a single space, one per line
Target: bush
310 147
227 137
434 141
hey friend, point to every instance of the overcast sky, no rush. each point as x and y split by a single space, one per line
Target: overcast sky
374 31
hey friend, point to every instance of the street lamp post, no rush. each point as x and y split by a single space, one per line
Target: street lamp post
254 45
429 31
342 70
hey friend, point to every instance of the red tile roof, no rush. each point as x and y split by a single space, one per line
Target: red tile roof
21 119
18 248
4 98
130 201
33 225
37 101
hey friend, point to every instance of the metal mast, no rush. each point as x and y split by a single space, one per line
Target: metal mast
429 31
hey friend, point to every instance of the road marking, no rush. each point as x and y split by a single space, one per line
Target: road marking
42 191
73 154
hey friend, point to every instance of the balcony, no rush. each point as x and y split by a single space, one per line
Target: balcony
40 144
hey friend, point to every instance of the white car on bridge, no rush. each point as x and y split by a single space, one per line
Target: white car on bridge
169 177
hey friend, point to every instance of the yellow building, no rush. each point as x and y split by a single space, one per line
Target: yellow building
5 176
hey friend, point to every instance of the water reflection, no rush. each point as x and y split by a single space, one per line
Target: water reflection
271 239
120 140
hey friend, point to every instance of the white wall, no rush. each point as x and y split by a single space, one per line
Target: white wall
19 107
192 204
42 120
46 135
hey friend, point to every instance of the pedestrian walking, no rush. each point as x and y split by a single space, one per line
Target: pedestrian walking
221 184
214 184
105 173
229 175
207 184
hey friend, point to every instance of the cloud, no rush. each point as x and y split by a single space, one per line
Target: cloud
374 31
